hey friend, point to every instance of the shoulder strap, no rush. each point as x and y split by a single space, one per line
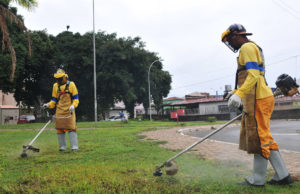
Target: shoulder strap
63 92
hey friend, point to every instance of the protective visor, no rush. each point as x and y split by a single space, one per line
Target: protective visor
230 47
226 39
59 80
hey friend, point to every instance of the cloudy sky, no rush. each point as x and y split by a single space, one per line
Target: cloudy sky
186 34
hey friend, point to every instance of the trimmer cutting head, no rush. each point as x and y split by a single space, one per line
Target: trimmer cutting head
23 155
171 169
28 147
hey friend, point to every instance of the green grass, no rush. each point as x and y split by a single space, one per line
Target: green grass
112 159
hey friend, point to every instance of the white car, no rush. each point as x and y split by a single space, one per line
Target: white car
115 118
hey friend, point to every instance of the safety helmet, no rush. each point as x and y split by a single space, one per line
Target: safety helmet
234 29
61 76
60 73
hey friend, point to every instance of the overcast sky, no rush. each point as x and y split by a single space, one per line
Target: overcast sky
186 34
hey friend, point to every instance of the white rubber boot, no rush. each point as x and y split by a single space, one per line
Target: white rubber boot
73 140
281 176
62 141
260 165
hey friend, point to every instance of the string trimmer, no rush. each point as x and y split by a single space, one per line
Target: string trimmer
172 167
29 146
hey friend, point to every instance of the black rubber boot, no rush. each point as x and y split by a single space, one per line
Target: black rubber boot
285 181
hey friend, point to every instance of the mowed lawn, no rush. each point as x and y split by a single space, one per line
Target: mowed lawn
113 158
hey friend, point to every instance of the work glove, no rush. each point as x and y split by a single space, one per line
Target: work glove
46 105
227 95
72 109
234 102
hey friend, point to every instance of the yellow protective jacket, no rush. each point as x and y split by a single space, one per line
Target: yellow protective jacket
72 89
258 102
251 58
62 98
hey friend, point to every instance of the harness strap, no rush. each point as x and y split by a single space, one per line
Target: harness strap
66 91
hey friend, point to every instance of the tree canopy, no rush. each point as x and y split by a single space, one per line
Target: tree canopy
121 70
9 14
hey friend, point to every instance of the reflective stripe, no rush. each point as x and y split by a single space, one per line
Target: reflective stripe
254 65
76 96
265 145
54 99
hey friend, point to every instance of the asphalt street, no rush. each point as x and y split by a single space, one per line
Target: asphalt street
286 134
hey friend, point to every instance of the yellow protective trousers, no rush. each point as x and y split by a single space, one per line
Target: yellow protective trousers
263 111
255 135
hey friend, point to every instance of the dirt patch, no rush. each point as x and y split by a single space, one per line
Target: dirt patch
217 150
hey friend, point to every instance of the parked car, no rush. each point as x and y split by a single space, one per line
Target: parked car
26 119
115 118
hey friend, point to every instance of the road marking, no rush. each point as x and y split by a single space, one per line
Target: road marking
285 133
229 143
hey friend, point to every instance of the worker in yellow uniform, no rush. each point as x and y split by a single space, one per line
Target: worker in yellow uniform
65 99
252 91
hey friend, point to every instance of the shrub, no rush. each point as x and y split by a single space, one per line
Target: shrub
211 119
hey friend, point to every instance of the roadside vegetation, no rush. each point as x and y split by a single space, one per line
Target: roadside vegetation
113 158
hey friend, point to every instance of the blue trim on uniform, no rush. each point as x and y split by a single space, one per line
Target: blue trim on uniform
254 65
76 96
261 69
54 99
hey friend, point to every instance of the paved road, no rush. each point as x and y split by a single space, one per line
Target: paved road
285 133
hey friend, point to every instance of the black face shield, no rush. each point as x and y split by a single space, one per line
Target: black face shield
60 80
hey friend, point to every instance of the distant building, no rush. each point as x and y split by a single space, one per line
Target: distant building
118 107
197 95
9 112
7 99
167 104
199 106
203 107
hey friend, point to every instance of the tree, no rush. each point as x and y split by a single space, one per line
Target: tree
7 14
34 78
160 87
121 70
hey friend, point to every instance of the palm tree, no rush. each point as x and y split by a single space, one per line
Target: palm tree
6 14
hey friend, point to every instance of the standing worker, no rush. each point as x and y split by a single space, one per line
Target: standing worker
257 98
65 98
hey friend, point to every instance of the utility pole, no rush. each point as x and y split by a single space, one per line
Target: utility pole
95 83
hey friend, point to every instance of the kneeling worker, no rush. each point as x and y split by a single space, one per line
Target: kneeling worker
65 98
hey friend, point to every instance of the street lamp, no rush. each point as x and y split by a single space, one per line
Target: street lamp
149 86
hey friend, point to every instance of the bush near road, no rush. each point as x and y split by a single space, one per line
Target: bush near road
113 158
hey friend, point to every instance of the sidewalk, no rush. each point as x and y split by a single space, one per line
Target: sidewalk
216 150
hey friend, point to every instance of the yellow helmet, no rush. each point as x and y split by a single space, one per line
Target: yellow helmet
60 73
